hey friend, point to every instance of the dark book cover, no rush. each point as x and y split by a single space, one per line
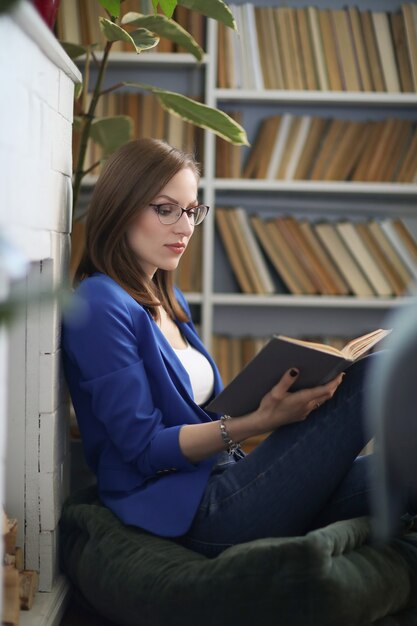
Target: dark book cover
244 393
317 364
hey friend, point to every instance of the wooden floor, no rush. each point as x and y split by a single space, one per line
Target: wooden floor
75 615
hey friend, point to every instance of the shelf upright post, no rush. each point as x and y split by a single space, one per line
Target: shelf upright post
209 174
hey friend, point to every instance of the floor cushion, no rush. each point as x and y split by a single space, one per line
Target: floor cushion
331 577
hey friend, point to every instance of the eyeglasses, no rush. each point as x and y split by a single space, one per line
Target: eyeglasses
172 213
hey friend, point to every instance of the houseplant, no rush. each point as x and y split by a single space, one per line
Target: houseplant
141 32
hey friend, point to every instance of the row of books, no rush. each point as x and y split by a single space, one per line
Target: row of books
78 22
188 275
149 119
228 156
231 354
290 147
376 258
286 147
319 49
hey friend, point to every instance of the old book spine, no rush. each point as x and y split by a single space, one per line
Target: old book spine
382 149
320 61
394 279
279 145
307 52
372 51
329 146
232 252
406 237
265 44
343 259
253 252
280 236
390 252
260 156
348 151
360 171
283 34
345 50
275 255
295 49
397 242
222 60
360 48
364 259
336 283
275 54
317 131
386 51
411 38
246 258
396 151
407 171
309 261
401 52
331 56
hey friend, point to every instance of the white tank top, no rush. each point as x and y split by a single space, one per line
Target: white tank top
200 372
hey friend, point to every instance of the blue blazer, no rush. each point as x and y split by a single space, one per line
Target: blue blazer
131 396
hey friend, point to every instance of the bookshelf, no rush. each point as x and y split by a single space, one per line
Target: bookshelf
219 307
239 314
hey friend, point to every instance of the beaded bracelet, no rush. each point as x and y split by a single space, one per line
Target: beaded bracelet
231 445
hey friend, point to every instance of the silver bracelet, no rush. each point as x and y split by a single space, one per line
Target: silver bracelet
231 445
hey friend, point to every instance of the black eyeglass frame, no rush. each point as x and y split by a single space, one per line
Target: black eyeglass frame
189 211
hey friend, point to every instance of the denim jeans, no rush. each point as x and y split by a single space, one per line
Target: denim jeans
304 475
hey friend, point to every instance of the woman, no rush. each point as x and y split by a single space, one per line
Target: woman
140 377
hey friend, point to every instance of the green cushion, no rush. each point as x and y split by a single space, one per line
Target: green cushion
330 577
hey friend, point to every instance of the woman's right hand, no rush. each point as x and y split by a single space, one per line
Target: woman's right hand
282 406
278 407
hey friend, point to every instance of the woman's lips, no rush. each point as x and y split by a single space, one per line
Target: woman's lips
178 248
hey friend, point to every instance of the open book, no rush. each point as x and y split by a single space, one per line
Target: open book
317 364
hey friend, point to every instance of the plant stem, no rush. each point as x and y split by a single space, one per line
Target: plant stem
90 169
85 134
112 88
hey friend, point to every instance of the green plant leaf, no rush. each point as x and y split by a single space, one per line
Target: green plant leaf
112 6
168 6
143 39
155 5
204 116
73 50
140 39
197 113
167 28
216 9
111 132
112 31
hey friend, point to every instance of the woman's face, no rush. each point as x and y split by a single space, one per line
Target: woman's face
160 246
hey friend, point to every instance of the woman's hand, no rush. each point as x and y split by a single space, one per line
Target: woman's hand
282 406
278 407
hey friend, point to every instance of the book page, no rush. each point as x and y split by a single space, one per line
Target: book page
322 347
357 347
352 350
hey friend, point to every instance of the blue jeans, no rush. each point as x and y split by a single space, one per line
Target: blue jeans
304 475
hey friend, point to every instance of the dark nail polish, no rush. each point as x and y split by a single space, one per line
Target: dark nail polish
293 373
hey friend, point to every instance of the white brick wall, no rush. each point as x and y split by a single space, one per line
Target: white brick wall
35 214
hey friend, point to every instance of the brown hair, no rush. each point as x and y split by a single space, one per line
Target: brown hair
130 180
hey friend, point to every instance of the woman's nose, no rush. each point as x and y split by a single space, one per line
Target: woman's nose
185 224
